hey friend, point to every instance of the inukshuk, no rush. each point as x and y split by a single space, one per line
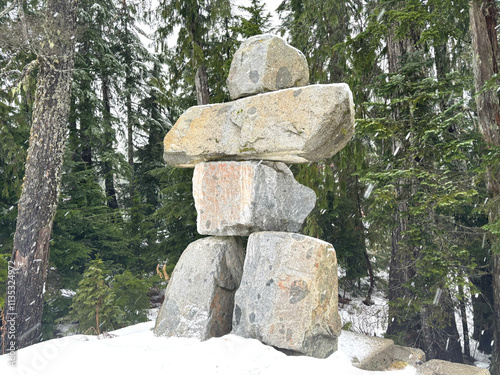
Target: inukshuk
283 292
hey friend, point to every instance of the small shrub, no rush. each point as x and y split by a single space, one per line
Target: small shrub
94 305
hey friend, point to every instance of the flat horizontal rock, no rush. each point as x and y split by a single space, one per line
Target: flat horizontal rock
295 125
239 198
288 297
199 299
266 63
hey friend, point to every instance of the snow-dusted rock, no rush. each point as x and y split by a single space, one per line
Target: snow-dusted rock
266 63
200 295
436 366
239 198
296 125
288 297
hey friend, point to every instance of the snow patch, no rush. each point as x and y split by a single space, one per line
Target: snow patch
135 350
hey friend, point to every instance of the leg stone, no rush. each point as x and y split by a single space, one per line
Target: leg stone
199 299
288 297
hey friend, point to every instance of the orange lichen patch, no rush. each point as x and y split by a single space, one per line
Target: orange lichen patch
300 284
282 284
271 329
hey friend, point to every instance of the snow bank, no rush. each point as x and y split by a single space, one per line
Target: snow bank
135 350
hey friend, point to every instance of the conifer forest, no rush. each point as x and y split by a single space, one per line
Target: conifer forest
97 220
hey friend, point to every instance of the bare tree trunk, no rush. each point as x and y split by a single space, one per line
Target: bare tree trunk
465 324
359 224
129 81
109 184
482 308
483 18
440 338
38 202
201 83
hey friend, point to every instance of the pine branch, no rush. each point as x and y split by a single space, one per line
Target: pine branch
8 9
5 72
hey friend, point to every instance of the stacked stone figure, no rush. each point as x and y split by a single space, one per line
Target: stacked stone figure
283 291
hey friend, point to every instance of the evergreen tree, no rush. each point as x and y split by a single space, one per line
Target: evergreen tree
258 23
94 306
315 28
424 175
196 19
131 296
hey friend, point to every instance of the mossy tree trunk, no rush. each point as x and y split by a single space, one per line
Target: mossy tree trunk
38 202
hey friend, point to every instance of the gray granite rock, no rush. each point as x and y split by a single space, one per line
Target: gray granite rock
239 198
200 295
266 63
288 297
293 126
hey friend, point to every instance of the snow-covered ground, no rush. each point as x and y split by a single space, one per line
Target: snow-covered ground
369 320
135 350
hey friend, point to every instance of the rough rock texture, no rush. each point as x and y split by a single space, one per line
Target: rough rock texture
294 126
439 367
288 294
199 299
266 63
239 198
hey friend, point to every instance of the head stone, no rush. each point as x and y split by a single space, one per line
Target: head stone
266 63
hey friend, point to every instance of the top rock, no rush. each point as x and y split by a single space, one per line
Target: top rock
266 63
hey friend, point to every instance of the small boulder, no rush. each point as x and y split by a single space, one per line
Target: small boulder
266 63
437 366
288 294
199 299
239 198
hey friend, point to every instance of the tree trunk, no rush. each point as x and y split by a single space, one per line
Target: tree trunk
129 82
201 83
38 202
109 184
439 338
465 324
359 224
482 308
400 270
483 18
